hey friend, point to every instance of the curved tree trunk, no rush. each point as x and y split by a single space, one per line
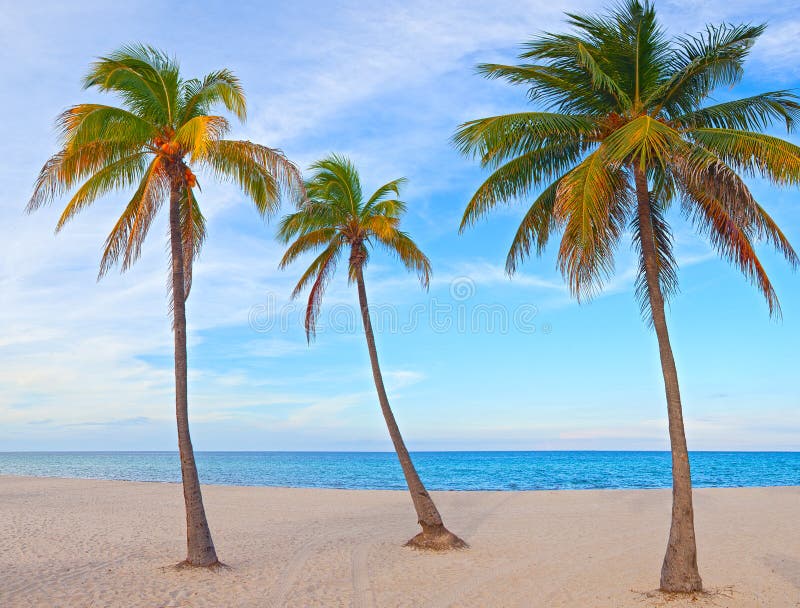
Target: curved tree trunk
679 572
434 535
200 547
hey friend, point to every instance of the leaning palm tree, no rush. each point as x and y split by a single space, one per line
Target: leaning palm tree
626 133
152 142
337 219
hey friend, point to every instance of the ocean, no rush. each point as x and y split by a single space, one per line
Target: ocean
439 470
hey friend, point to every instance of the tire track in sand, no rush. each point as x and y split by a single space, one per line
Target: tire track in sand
363 596
297 564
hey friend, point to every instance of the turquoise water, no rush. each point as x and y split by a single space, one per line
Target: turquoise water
439 470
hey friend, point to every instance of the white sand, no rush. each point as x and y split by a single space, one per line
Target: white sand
104 543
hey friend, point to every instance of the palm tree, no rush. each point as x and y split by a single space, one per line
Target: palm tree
161 131
628 132
336 218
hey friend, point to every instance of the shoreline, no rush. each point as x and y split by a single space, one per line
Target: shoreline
438 491
79 542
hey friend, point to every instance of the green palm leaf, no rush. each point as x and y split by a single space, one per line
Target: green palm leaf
220 87
498 138
515 179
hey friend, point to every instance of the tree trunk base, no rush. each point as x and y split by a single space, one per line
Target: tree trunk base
679 572
215 566
436 538
673 582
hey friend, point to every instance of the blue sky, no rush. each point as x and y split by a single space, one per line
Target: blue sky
87 365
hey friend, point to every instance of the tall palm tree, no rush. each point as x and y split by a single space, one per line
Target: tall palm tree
626 134
161 132
338 219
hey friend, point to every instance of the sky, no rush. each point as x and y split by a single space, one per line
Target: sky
480 361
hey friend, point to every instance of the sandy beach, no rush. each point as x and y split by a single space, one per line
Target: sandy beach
87 543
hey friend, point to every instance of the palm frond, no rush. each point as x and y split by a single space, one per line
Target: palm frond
320 272
731 241
380 195
703 63
553 87
753 113
89 122
118 174
498 138
199 133
336 179
308 241
593 201
260 172
401 245
388 207
515 179
590 59
768 230
68 167
703 175
381 226
201 96
753 153
147 80
644 141
130 231
535 228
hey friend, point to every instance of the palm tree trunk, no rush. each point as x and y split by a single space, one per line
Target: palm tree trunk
200 547
434 535
679 572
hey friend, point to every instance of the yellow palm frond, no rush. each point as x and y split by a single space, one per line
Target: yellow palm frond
195 136
591 201
68 167
261 172
382 226
90 122
753 153
118 174
129 232
644 141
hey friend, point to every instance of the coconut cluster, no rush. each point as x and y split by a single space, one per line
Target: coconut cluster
189 177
